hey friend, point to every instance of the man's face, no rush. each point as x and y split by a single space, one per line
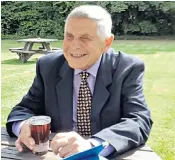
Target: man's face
81 46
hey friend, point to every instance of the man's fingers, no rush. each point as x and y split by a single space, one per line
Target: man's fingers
18 145
74 151
57 144
31 143
59 136
65 150
28 142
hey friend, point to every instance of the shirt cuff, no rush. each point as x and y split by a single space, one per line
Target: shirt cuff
106 151
16 127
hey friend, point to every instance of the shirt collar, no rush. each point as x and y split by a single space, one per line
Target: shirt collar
92 70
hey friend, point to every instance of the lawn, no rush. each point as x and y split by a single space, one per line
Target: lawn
159 85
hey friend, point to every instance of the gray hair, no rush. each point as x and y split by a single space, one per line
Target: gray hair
97 14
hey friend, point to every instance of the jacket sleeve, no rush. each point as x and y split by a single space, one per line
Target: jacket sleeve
135 123
31 104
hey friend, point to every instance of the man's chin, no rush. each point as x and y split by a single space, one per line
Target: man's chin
75 66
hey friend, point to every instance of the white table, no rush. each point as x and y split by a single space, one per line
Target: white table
27 51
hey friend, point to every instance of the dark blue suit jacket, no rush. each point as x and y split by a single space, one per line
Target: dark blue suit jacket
119 113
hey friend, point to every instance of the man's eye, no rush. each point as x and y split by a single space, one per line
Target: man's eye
84 38
69 37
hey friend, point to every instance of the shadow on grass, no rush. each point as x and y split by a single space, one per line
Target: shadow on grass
141 53
18 62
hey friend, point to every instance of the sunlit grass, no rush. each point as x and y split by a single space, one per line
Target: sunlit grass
159 85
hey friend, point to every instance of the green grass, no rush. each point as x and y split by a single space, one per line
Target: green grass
159 85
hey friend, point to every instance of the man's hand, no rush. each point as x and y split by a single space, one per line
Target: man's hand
25 138
66 144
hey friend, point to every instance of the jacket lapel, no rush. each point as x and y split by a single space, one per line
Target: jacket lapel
64 89
101 94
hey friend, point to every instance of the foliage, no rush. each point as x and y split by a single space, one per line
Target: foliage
47 17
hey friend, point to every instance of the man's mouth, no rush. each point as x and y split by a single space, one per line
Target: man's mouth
78 55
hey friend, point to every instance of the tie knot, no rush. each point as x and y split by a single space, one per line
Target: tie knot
84 75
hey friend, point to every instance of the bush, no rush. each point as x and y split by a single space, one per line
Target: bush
46 18
13 37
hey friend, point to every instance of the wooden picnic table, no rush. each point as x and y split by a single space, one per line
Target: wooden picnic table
27 51
9 152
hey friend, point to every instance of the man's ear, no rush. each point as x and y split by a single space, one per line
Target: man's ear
108 42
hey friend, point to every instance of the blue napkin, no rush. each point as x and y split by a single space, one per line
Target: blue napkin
90 154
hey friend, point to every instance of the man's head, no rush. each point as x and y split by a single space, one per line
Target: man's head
87 35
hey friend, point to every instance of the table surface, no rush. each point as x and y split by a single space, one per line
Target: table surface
9 152
37 40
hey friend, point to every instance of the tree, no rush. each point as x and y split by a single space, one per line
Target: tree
47 18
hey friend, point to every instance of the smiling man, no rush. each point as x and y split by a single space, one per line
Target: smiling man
88 90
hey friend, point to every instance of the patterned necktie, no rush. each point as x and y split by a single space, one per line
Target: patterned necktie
84 106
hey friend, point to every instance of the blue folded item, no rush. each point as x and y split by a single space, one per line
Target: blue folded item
90 154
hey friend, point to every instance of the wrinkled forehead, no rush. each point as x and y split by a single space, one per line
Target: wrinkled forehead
79 26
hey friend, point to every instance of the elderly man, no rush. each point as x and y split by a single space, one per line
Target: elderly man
87 90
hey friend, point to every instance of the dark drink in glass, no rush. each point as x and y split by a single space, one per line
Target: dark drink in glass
40 131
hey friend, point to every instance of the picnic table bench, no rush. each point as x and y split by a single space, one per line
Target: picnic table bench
9 152
26 52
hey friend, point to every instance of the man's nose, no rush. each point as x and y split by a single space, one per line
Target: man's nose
76 44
